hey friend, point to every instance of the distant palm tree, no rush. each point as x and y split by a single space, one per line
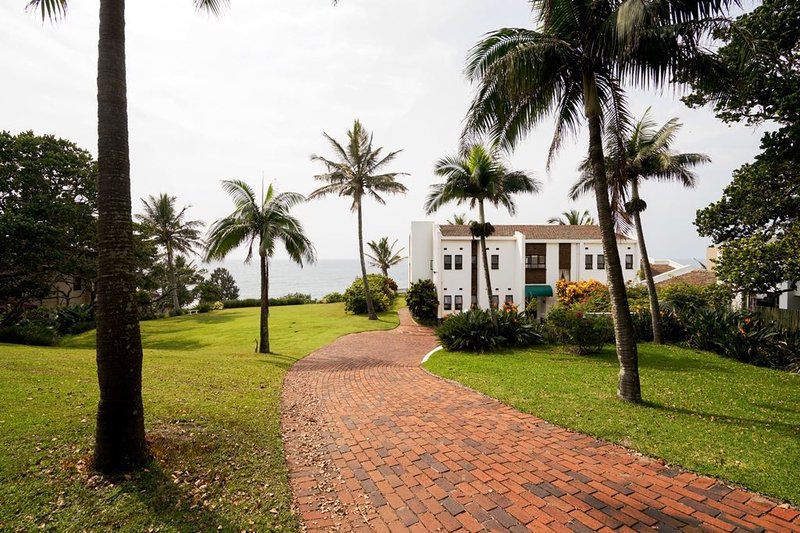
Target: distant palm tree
120 444
478 177
646 154
458 220
383 255
357 173
572 217
267 223
167 227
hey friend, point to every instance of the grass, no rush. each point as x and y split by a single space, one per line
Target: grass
213 422
703 412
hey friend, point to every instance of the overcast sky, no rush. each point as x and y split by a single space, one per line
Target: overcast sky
251 92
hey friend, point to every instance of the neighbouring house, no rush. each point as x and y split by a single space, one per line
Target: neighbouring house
69 291
525 262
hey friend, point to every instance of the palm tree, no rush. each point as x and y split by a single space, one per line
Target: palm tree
120 444
572 217
169 230
573 66
266 223
384 256
646 155
358 173
458 219
478 177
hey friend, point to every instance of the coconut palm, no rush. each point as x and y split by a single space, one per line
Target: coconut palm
477 177
458 219
120 444
572 217
264 223
573 67
167 227
646 155
383 255
358 173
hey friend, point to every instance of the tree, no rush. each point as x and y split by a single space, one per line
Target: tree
47 219
383 255
477 177
267 222
573 218
458 219
646 154
223 279
120 444
358 173
166 225
574 66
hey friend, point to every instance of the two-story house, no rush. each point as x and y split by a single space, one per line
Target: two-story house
525 262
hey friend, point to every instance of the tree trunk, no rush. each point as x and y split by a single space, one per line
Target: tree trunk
628 387
367 294
263 345
119 438
484 255
655 311
173 279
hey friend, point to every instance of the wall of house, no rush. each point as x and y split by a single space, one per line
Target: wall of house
420 251
509 278
595 249
455 282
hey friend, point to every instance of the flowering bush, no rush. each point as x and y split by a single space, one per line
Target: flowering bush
584 332
574 292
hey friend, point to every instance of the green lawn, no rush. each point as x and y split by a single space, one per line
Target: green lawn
703 412
212 412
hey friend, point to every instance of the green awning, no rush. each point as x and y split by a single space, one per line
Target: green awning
538 291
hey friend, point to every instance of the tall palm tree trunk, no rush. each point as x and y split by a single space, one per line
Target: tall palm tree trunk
119 438
484 256
173 279
263 345
628 386
367 294
655 310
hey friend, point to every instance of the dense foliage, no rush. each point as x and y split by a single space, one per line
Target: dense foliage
382 290
332 298
294 298
584 332
422 301
473 330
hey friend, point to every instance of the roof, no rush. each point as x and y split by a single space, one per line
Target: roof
535 232
660 268
694 277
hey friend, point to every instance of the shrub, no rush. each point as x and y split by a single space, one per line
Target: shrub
517 329
471 331
203 307
422 301
584 332
29 332
332 298
294 298
355 300
685 297
75 319
218 306
672 329
574 292
246 302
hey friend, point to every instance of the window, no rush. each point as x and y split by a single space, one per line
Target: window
601 262
509 299
459 262
495 262
448 302
78 284
448 262
459 302
495 301
588 259
535 261
629 262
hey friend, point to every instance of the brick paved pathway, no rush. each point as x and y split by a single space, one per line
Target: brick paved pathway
376 443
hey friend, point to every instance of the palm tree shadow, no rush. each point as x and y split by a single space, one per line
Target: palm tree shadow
278 360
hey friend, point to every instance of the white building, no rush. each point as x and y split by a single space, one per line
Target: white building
525 262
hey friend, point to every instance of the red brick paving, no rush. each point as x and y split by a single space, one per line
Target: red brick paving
375 443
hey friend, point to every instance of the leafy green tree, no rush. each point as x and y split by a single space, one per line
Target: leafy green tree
223 279
573 66
47 218
268 223
120 444
167 226
383 255
573 217
477 177
358 173
646 154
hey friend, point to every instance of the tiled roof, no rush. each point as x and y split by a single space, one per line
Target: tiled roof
660 268
540 231
694 277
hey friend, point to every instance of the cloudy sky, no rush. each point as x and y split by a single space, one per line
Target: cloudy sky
250 93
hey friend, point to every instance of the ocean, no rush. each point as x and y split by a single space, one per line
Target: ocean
319 279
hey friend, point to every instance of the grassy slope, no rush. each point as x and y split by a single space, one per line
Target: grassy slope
706 413
212 409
